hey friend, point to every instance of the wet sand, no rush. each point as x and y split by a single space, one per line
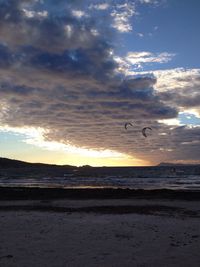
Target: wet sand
8 193
101 232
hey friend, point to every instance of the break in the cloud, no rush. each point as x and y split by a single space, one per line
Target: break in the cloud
59 72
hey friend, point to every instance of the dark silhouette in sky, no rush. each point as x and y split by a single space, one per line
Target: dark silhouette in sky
126 125
144 131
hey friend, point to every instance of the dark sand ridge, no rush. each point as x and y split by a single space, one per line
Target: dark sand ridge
10 193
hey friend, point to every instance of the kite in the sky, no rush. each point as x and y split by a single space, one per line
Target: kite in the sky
128 123
144 131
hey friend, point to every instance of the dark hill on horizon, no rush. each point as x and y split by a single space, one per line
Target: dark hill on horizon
168 164
18 168
13 163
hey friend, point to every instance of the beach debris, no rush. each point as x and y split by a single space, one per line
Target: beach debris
126 125
144 131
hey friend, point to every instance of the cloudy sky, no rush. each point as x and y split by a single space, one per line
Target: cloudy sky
73 72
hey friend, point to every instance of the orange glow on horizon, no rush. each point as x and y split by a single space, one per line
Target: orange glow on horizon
33 147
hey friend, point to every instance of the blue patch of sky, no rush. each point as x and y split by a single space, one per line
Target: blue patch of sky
173 28
12 144
188 118
8 140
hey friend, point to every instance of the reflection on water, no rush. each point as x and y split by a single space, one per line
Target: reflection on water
191 182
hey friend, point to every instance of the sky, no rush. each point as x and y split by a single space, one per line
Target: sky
72 73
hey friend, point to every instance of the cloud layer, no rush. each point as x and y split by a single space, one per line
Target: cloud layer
58 71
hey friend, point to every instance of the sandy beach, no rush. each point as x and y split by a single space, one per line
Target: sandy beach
99 232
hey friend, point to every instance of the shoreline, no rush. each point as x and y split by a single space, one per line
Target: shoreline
35 193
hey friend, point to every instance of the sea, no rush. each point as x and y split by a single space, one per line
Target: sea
132 178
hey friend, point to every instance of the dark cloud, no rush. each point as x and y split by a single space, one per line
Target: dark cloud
42 25
10 11
184 98
6 57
